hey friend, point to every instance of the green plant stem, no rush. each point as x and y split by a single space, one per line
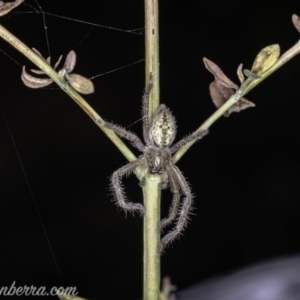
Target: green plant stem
152 52
39 62
151 189
151 237
247 86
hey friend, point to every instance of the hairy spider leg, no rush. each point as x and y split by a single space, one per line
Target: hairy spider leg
191 137
145 110
175 201
184 210
117 188
126 134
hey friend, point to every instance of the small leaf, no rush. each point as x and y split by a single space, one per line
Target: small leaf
6 7
296 21
220 94
34 82
70 62
265 59
57 63
220 77
80 83
242 104
240 73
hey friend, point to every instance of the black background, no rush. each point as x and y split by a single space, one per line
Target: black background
245 173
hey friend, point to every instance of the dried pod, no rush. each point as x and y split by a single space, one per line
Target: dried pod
220 77
296 21
34 82
265 59
240 73
70 62
223 88
6 7
80 83
220 94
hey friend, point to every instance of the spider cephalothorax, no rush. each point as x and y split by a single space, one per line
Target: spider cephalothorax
159 133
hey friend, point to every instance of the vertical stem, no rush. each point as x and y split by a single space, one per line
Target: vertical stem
151 237
151 188
152 51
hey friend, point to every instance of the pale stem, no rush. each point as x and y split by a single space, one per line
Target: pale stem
151 189
152 51
151 237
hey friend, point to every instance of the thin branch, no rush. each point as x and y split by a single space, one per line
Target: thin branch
16 43
247 86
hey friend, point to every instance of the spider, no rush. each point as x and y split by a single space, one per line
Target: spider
159 133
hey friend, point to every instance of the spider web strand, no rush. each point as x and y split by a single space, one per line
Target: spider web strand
33 198
81 41
133 31
10 57
45 27
114 70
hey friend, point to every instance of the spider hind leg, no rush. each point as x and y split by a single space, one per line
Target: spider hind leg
175 201
183 211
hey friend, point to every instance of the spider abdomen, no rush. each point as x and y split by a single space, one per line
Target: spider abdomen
163 127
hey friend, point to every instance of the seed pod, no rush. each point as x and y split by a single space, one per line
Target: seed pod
70 61
80 83
265 59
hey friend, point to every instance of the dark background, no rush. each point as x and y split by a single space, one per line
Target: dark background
245 173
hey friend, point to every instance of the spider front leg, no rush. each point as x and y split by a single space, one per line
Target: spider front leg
117 188
123 133
192 137
184 210
175 201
